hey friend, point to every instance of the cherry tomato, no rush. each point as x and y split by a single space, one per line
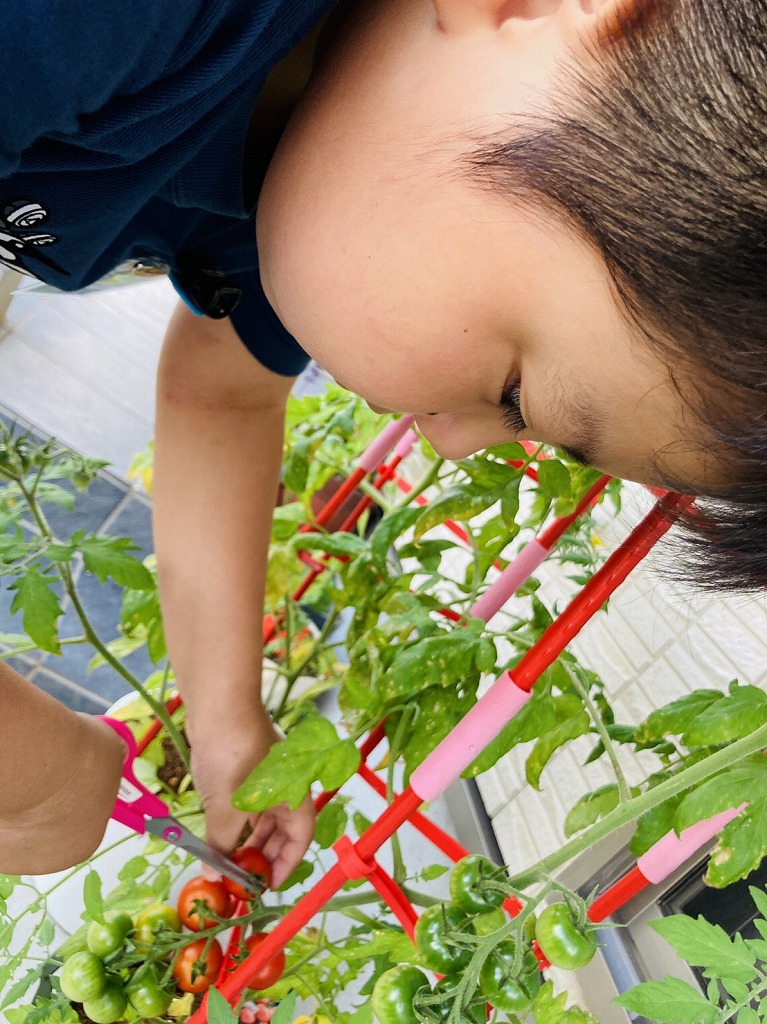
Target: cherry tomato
561 941
469 885
432 936
83 976
253 861
110 1006
152 921
394 993
145 993
271 971
198 980
475 1013
106 938
504 989
213 894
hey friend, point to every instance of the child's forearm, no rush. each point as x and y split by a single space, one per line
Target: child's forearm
59 773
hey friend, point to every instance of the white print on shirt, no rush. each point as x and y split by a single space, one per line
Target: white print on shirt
20 237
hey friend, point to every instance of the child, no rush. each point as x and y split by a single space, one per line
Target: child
514 218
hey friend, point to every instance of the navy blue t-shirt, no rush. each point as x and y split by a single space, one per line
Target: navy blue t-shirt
122 135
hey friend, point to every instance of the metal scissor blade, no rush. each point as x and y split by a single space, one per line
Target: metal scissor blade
174 832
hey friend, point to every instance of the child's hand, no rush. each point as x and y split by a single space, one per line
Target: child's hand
223 755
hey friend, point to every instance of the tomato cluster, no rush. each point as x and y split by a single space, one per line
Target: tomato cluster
445 937
101 972
95 976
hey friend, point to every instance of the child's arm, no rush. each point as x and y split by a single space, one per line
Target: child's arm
59 773
219 431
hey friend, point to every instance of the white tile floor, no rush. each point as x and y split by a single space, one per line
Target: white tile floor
82 367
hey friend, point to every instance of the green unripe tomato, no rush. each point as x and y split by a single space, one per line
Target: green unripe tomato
469 885
503 989
432 936
394 994
146 995
152 920
110 1006
103 939
475 1013
561 941
83 976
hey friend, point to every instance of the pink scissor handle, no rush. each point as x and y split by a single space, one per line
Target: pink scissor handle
134 801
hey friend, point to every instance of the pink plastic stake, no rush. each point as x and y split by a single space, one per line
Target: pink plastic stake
484 721
375 453
404 447
134 802
673 850
510 580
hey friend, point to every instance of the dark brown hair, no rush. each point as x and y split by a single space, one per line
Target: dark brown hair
656 151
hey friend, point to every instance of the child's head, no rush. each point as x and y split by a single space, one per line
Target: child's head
568 195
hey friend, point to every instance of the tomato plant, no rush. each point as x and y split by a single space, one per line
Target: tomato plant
272 970
255 863
215 897
83 976
435 934
560 939
197 965
394 993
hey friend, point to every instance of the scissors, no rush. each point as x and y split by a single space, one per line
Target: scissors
144 812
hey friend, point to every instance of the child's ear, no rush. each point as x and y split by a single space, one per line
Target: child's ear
608 19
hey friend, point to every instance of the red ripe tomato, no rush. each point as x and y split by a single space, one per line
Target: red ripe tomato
194 969
213 894
272 969
253 861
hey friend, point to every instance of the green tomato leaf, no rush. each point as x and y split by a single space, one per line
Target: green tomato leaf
748 1016
547 745
549 1008
133 869
39 607
741 847
286 1010
388 530
739 714
219 1010
108 558
670 1001
591 808
702 944
434 871
298 876
674 718
759 896
554 478
456 503
312 752
331 823
94 903
729 789
510 504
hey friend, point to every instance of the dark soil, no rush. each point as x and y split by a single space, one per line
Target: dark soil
173 771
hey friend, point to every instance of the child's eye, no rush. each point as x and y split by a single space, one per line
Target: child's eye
510 407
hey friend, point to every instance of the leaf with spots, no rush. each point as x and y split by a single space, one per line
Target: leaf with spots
311 752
